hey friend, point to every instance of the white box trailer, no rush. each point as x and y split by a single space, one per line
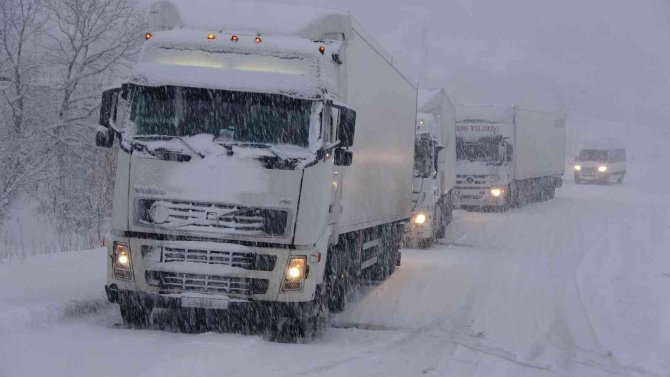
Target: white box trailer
508 155
265 163
434 168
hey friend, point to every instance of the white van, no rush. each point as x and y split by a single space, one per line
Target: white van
601 161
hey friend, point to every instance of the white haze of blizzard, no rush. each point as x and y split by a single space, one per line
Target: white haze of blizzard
601 59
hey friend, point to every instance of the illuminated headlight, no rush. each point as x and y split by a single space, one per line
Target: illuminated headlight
419 218
578 168
159 212
296 272
121 261
496 192
602 169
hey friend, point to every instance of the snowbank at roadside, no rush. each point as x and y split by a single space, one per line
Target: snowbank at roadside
39 290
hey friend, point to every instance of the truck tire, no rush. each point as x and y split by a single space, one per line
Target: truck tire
336 278
135 315
441 221
620 181
293 329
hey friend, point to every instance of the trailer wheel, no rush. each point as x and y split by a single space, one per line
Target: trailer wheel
135 315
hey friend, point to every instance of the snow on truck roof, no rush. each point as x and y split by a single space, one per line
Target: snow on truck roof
604 143
282 27
488 113
431 100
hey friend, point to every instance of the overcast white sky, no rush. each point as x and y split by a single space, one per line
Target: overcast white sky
601 58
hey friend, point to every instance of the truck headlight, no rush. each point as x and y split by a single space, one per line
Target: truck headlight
121 261
296 272
496 192
578 167
419 218
602 169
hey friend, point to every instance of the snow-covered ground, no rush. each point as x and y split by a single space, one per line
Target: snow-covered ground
573 287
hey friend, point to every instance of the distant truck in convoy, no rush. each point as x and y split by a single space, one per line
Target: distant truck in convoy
601 161
265 164
507 156
434 168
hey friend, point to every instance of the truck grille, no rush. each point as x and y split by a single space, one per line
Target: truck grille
199 216
170 254
588 170
473 180
177 282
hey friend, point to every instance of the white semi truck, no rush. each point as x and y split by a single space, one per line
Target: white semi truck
507 155
265 164
434 168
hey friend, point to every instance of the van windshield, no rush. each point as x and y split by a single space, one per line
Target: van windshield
592 155
229 116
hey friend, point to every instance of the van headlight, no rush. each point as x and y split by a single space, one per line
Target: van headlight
121 261
602 169
496 192
419 218
578 167
296 272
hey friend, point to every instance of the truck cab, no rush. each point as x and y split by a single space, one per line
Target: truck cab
238 184
434 169
484 154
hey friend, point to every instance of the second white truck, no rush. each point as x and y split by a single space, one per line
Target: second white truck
434 168
507 155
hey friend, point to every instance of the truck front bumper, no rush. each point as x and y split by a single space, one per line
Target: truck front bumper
161 270
478 197
154 300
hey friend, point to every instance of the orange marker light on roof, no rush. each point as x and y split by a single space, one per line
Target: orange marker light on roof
322 49
147 36
211 36
234 38
258 39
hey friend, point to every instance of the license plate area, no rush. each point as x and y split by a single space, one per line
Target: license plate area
205 302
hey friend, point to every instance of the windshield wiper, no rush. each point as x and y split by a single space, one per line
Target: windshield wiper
169 137
229 145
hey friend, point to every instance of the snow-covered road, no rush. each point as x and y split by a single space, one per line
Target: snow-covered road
573 287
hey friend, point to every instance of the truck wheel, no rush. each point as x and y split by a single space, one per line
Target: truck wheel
551 192
440 222
135 315
336 275
620 181
293 329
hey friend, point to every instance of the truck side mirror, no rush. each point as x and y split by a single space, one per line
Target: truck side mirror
510 152
108 105
347 128
104 137
343 157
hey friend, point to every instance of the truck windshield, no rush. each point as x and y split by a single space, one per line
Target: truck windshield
229 116
485 149
592 155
